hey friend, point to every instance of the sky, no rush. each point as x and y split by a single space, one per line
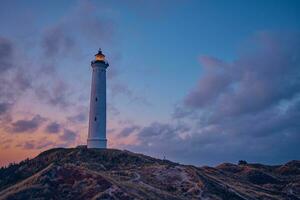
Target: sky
197 82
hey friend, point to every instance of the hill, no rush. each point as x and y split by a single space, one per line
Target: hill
80 173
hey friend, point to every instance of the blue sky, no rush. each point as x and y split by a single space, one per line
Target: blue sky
162 58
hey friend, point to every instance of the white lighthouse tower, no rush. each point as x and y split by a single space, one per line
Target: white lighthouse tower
97 118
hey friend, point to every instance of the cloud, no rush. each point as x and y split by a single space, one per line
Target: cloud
112 109
208 89
22 79
22 126
44 143
55 94
118 88
6 141
159 139
37 75
245 109
79 118
255 81
144 9
56 41
36 144
161 130
63 41
14 80
80 24
4 108
53 128
128 130
6 54
29 145
7 50
68 136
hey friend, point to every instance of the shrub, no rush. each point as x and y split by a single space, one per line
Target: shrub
242 162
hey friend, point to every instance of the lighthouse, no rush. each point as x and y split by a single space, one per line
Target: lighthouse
97 116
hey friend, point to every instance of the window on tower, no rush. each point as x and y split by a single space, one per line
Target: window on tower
96 99
95 118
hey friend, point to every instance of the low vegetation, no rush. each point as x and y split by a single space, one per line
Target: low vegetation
81 173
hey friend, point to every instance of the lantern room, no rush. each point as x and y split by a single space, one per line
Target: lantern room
99 56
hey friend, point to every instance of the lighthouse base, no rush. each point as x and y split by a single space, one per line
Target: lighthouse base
96 143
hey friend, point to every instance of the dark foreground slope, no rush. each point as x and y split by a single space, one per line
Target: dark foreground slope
82 173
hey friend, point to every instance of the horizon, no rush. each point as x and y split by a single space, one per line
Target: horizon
163 159
199 82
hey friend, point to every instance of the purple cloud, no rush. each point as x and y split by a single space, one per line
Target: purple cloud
68 136
56 41
14 80
253 82
33 144
6 54
55 94
118 88
128 130
247 109
79 118
4 108
29 145
22 126
53 128
79 24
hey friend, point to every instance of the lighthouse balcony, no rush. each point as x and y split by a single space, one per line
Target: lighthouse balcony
100 61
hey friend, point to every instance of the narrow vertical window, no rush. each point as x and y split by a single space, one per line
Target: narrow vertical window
95 118
96 99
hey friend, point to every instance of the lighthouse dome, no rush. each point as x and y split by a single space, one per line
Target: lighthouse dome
99 56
